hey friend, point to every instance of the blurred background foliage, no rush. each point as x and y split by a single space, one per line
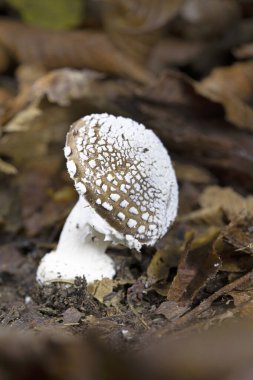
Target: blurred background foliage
57 14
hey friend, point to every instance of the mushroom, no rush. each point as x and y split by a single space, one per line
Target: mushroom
128 195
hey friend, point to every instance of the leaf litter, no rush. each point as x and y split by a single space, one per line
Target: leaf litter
199 102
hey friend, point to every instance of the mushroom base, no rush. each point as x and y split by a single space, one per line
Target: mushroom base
88 263
81 249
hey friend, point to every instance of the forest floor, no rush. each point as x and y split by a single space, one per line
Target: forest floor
182 309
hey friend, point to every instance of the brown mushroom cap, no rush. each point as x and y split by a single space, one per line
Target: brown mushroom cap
124 172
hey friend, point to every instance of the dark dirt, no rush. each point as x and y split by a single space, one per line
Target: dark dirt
127 316
26 305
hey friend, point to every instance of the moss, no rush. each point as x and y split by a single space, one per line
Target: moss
56 14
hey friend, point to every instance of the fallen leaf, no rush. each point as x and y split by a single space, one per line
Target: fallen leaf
198 264
193 128
227 199
173 51
78 49
171 310
100 289
233 88
241 297
160 263
63 86
7 168
20 122
210 216
39 210
193 173
135 26
235 246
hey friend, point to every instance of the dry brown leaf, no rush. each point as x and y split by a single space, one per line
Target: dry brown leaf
240 236
35 137
241 297
233 88
134 25
7 168
22 120
172 51
194 128
235 246
78 49
171 310
100 289
211 216
227 199
63 86
198 264
193 173
169 249
159 265
38 210
58 86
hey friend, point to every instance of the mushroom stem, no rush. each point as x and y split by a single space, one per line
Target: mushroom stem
80 251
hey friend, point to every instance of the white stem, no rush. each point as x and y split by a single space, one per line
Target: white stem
81 249
78 234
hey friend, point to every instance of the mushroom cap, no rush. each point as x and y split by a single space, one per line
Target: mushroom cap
124 172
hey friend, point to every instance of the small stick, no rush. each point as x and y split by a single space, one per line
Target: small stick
204 305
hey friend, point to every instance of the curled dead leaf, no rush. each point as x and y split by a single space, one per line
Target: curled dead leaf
77 49
227 199
21 121
197 266
233 88
235 246
64 85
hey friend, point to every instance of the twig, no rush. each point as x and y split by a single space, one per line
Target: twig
204 305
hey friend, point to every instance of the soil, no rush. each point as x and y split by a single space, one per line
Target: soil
28 306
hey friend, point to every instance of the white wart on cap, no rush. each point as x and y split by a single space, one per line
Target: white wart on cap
125 173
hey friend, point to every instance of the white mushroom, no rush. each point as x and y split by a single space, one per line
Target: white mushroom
100 148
